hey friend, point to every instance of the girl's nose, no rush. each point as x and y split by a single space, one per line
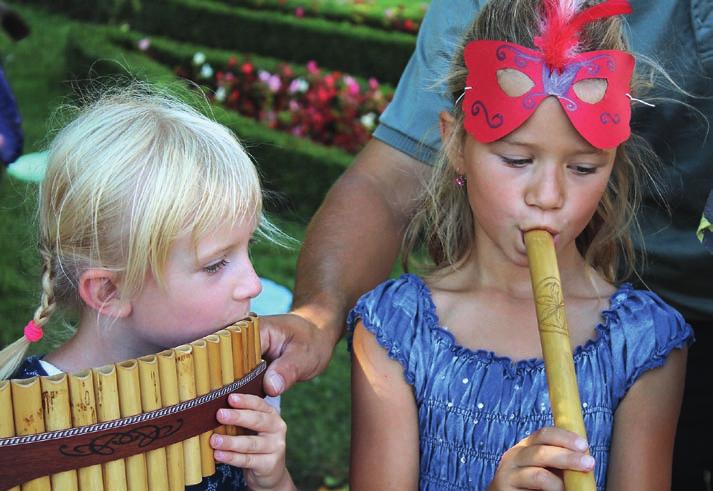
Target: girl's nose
546 189
248 284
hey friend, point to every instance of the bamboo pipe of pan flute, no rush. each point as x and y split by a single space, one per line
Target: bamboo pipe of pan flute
556 347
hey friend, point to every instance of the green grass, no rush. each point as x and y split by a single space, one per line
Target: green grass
317 412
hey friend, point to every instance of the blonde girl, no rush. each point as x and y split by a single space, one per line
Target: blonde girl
448 382
146 213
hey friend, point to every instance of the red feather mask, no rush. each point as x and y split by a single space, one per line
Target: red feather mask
554 69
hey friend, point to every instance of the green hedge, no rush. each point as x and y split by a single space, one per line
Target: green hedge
358 50
356 13
302 171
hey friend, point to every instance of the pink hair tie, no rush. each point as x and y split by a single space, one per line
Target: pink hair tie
33 332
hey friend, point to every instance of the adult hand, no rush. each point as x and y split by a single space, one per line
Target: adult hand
299 344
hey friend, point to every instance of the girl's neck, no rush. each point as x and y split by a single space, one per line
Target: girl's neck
98 341
486 268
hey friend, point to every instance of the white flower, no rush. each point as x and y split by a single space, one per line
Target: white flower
206 71
198 58
298 85
220 94
368 120
144 44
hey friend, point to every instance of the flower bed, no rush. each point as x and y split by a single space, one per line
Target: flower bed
300 169
328 107
355 49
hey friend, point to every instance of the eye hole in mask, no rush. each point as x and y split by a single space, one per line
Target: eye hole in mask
513 82
591 90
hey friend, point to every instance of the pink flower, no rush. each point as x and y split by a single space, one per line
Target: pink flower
247 68
352 85
373 84
312 67
274 83
300 12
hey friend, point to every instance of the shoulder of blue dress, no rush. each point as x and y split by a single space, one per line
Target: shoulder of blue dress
633 307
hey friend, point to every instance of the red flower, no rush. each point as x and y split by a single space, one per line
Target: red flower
247 68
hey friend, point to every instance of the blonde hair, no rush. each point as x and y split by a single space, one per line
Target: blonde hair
444 220
133 171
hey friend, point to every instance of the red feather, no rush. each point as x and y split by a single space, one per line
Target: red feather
560 34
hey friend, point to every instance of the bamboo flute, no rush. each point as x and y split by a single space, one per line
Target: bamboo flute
7 423
214 364
186 392
226 369
107 400
202 374
58 416
169 397
84 412
556 347
156 467
29 420
127 374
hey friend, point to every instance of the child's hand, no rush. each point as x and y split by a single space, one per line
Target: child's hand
262 456
534 462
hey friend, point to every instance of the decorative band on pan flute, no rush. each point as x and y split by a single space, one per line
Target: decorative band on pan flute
138 424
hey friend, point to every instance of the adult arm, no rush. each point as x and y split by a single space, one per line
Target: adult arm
354 238
645 426
385 442
350 247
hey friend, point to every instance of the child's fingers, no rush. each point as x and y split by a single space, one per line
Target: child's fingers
249 401
259 463
248 444
554 458
258 421
536 478
557 437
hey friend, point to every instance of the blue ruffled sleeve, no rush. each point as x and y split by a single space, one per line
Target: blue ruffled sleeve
393 312
644 330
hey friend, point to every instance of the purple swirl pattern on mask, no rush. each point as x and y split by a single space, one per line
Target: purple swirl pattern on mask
521 59
495 122
607 118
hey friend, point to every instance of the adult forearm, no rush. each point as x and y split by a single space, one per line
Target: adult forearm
354 238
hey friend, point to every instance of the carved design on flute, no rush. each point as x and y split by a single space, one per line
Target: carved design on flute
107 444
550 306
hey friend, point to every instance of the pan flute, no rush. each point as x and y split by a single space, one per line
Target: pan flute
138 424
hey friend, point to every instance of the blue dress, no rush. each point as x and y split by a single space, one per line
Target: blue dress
226 477
474 405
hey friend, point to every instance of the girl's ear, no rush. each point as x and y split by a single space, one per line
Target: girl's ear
99 290
447 125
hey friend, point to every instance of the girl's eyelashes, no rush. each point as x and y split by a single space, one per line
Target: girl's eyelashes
515 162
215 267
583 169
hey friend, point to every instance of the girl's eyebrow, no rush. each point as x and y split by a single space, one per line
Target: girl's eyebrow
580 150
